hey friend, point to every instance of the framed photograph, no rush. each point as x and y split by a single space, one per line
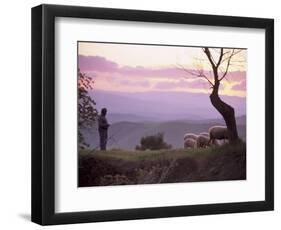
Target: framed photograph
143 114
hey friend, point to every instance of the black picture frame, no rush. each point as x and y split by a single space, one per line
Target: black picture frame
43 114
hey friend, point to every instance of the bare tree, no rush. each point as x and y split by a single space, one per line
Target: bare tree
220 61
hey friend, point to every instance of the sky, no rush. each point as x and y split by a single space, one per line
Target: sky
149 68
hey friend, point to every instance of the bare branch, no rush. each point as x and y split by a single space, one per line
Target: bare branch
220 58
227 57
209 56
225 76
197 73
233 53
204 76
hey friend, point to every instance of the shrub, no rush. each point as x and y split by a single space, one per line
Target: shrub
153 142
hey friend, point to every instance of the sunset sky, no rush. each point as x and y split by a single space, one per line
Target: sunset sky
146 68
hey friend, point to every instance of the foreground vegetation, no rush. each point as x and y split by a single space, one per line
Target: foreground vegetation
119 167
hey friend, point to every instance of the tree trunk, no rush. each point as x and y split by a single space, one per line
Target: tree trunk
226 111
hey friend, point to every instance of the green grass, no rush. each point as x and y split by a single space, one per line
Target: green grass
120 167
135 155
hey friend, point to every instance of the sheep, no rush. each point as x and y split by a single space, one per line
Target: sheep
204 134
202 141
189 143
218 133
220 142
190 135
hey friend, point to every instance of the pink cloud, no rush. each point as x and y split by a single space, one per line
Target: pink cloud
240 86
199 84
170 85
134 83
236 76
142 71
101 64
196 84
96 65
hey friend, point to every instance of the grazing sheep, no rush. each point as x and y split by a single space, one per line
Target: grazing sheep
218 133
220 142
190 135
202 141
189 143
204 134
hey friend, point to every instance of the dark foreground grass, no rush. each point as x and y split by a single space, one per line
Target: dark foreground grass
119 167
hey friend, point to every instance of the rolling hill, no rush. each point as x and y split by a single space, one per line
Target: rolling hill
163 106
127 134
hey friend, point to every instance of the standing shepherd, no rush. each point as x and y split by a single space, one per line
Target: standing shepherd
103 127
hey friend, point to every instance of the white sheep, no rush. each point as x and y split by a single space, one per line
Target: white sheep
203 141
190 135
218 133
204 134
189 143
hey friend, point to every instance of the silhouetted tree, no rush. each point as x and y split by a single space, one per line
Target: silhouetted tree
220 61
87 113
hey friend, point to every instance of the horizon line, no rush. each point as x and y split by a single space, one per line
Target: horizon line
162 91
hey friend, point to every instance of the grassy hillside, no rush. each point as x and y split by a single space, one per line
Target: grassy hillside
118 167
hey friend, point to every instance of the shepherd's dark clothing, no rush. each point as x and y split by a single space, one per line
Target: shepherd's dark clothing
103 127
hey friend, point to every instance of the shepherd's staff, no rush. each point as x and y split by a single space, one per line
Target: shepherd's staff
111 137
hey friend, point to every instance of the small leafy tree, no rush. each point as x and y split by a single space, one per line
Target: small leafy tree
87 112
153 142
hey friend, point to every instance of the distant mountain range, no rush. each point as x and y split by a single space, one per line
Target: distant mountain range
127 134
134 115
118 117
162 106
